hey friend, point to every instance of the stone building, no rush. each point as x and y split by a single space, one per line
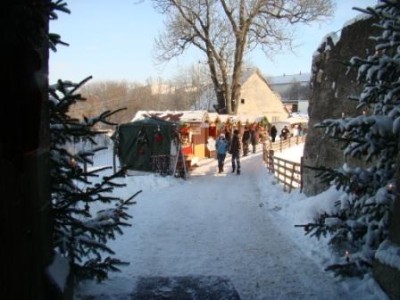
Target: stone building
258 99
294 90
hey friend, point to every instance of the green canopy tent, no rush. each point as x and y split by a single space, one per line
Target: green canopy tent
146 144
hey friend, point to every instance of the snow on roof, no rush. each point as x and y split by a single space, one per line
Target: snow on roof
190 116
288 79
223 118
234 118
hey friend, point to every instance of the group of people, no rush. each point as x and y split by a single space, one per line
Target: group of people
225 144
285 132
233 146
249 137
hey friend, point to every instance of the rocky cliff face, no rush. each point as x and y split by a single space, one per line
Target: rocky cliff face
332 85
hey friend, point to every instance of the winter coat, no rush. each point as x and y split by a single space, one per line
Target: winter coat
221 145
285 133
246 137
254 139
273 131
235 145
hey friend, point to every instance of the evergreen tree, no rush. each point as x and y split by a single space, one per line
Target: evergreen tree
359 225
80 232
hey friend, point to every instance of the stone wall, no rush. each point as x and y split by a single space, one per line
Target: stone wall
331 88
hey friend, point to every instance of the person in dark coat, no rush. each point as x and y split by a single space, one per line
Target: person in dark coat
273 132
285 133
246 141
235 151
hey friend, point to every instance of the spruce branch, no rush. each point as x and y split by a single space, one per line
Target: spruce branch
81 235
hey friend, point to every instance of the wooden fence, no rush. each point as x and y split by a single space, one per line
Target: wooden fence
284 144
288 173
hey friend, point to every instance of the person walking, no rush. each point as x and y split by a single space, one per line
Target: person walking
228 136
285 133
296 131
273 133
221 145
235 151
246 141
254 139
300 130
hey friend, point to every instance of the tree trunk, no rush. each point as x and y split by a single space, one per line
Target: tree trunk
24 145
218 87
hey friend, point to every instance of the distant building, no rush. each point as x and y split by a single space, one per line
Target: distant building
283 84
293 89
162 89
256 99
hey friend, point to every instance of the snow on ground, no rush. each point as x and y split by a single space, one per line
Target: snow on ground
236 226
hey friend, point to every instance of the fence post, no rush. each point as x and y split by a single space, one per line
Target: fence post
270 162
301 174
292 178
264 152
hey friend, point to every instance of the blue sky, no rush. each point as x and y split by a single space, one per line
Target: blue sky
114 40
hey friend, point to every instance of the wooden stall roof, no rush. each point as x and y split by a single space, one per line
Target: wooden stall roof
234 118
184 116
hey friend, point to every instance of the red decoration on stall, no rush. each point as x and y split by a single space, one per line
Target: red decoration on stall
158 138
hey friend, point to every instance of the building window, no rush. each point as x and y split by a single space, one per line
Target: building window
242 101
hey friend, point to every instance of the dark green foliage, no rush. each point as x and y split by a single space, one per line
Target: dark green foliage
81 228
53 38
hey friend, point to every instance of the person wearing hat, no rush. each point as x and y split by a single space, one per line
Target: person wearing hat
221 145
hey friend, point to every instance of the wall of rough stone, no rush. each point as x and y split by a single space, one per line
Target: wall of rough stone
331 87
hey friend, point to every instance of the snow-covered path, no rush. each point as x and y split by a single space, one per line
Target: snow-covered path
218 225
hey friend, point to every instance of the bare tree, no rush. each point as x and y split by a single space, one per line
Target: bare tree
190 83
111 95
224 30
